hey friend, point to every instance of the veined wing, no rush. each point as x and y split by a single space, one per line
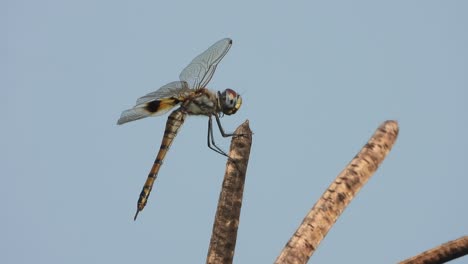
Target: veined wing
176 89
157 102
199 72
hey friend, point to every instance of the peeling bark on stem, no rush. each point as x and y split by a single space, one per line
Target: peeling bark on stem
339 194
441 254
224 234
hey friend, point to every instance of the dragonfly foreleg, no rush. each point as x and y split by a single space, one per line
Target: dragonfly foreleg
211 139
224 134
211 143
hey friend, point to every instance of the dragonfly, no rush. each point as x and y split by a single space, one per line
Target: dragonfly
193 98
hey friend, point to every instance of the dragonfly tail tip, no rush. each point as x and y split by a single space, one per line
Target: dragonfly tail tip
136 215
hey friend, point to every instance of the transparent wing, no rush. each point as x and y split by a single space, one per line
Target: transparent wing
199 72
157 103
176 89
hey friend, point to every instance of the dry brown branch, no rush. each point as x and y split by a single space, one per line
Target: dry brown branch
339 194
441 254
224 234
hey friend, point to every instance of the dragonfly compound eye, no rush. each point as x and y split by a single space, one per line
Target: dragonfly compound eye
230 102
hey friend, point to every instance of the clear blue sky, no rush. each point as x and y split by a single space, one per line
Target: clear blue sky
317 79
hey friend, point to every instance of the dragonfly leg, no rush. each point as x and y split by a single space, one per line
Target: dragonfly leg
224 134
211 143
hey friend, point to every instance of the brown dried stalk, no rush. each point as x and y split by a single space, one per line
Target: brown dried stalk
339 194
441 254
224 234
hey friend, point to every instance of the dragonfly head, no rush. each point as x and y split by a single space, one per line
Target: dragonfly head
229 101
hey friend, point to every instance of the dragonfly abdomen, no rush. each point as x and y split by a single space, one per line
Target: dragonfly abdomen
173 124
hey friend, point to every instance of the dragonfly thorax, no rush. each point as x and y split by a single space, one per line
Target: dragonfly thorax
229 101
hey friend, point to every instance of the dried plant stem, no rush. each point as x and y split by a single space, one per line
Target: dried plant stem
441 254
224 234
339 194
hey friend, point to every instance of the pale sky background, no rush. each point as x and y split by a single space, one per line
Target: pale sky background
317 79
